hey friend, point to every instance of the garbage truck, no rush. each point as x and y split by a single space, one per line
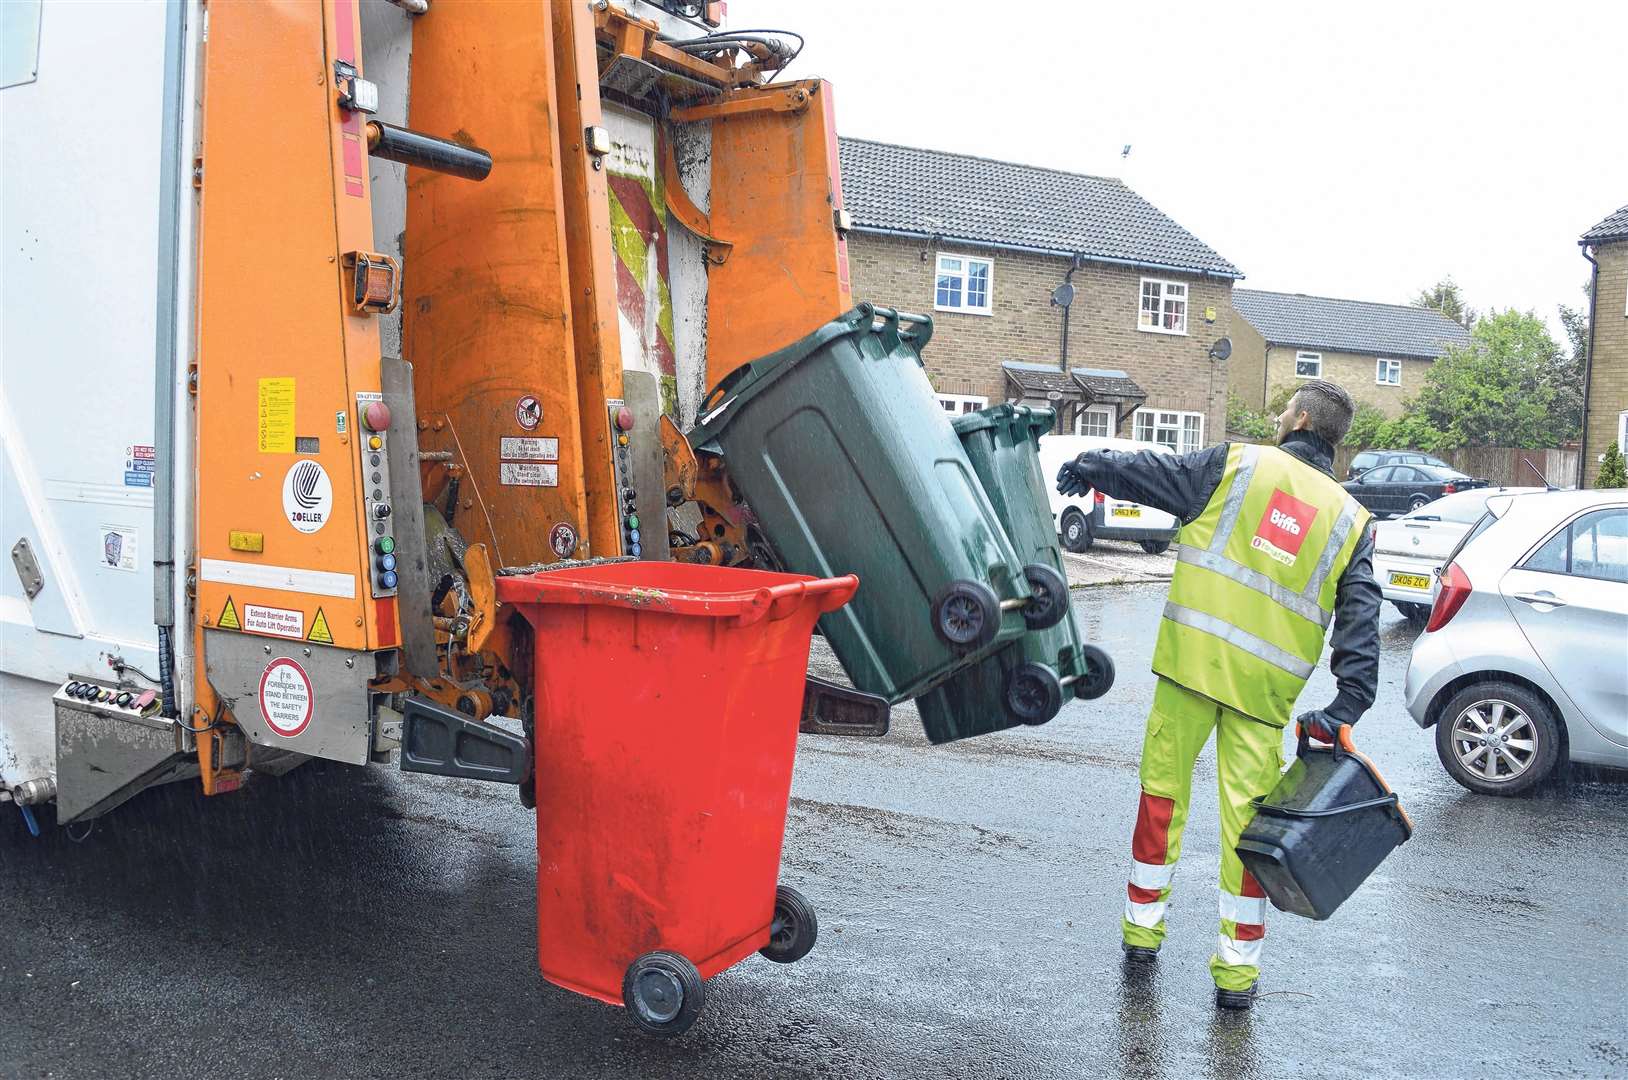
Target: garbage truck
345 316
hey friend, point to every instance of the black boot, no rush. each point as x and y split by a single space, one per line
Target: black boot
1236 999
1139 954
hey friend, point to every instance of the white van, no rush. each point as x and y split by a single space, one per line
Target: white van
1081 519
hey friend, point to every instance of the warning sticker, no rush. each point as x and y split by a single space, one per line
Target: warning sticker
523 449
319 630
528 412
308 496
277 416
527 474
271 620
286 698
228 617
118 547
1283 527
562 540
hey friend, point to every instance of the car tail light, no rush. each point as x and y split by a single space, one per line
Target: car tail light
1448 488
1100 499
1455 589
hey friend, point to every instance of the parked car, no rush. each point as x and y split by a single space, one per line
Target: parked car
1373 459
1522 661
1409 550
1399 489
1083 519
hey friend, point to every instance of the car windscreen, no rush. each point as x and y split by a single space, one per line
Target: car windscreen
1463 508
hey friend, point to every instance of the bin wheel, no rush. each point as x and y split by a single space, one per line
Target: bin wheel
967 614
794 929
1033 693
1098 675
663 993
1048 592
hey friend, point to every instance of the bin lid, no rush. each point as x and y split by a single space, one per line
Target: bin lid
678 589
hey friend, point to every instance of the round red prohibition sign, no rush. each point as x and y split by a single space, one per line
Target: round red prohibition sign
287 700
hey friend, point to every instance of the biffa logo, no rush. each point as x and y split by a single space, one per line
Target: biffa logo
1283 527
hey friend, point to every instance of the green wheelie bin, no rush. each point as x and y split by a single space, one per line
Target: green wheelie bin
849 466
1028 680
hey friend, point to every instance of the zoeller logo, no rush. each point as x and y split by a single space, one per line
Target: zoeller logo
1283 527
308 496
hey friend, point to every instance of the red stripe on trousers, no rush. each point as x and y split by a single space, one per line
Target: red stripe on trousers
1248 931
1140 895
1251 887
1151 841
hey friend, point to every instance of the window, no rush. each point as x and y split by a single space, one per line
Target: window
1182 431
1622 432
1097 420
1381 475
1308 365
1388 372
958 404
1593 546
963 284
1164 307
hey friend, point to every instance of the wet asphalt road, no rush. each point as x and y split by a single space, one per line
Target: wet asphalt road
365 923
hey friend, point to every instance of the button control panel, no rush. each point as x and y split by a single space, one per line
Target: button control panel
373 428
82 693
621 423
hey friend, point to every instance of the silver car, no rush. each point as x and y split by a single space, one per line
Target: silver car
1525 658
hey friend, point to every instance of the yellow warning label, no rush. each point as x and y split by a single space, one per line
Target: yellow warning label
277 415
319 630
228 617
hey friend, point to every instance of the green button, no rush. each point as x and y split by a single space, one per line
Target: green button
633 521
386 545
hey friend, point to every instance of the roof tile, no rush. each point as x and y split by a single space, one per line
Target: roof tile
1320 322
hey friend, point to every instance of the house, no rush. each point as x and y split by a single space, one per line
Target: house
1045 287
1378 352
1605 394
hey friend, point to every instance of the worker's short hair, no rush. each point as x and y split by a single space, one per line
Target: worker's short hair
1328 409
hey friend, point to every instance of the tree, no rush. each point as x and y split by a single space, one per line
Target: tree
1445 297
1503 389
1366 424
1613 470
1242 420
1569 375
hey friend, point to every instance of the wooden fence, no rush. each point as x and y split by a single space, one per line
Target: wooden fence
1505 466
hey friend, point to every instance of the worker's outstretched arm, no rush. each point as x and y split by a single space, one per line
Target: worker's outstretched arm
1355 659
1179 484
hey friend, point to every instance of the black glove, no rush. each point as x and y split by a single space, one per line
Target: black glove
1320 726
1071 478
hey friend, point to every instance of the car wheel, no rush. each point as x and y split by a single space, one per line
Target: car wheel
1498 738
1155 547
1076 531
1414 613
1416 502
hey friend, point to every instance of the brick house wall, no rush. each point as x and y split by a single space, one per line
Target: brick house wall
1259 370
966 352
1608 374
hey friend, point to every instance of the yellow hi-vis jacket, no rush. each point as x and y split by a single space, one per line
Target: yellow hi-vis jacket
1253 592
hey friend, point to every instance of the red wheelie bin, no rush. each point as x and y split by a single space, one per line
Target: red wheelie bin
667 702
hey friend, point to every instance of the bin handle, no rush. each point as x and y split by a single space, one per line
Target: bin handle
920 333
777 602
725 386
1263 807
1342 741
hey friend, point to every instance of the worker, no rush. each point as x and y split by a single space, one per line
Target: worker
1272 551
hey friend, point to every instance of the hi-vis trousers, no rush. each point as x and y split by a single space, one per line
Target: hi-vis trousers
1249 757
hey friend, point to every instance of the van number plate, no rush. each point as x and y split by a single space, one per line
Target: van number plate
1127 511
1411 581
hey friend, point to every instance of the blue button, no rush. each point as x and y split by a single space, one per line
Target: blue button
387 562
387 580
635 551
633 536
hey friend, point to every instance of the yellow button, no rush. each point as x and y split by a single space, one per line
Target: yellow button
374 442
621 440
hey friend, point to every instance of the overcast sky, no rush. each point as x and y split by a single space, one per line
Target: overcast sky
1359 150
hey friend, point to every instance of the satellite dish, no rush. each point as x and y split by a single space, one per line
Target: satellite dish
1221 349
1063 295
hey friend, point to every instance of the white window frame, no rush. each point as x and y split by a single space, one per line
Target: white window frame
963 274
1316 356
1174 420
1107 412
961 404
1622 431
1151 321
1383 367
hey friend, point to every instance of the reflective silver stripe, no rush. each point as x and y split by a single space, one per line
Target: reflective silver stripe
1249 910
1239 953
1151 875
1242 639
1144 915
1331 550
1247 460
1304 606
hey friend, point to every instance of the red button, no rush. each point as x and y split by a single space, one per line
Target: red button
624 419
376 416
